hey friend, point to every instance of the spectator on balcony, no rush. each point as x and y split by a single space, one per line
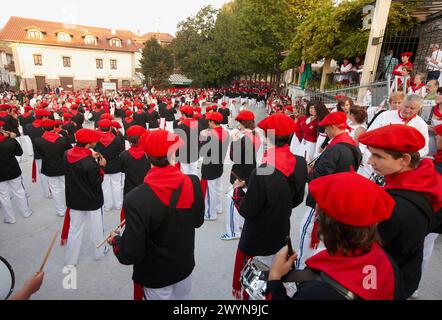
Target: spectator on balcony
345 68
405 57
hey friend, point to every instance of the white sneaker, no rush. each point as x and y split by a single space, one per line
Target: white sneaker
10 221
28 214
227 237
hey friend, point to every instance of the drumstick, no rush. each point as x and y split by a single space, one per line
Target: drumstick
121 225
48 252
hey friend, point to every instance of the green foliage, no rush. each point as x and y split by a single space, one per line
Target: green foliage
156 63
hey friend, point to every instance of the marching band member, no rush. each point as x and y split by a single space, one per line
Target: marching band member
189 130
11 181
110 146
162 215
350 206
84 195
341 155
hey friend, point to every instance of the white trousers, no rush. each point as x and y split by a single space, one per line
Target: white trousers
162 122
15 190
428 249
190 168
169 126
112 191
78 222
43 180
56 184
213 198
307 150
305 251
178 291
234 221
27 143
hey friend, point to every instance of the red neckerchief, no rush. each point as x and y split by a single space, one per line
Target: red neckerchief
415 88
438 157
189 122
66 122
128 119
436 112
136 152
77 153
350 272
74 112
255 139
424 179
163 181
220 133
36 123
2 138
406 120
151 111
106 138
3 114
50 136
281 158
197 116
140 111
342 138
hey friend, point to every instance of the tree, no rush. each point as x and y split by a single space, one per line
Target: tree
156 63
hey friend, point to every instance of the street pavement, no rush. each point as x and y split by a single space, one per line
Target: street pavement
24 244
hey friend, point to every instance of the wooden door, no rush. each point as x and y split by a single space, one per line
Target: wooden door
67 83
41 82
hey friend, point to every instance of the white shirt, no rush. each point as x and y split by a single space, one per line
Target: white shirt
436 55
421 92
392 117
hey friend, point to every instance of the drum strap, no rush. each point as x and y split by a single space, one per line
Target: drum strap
308 275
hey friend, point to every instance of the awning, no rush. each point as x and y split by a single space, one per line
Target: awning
179 80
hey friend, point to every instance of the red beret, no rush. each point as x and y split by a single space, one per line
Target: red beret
161 143
224 104
4 106
438 130
135 131
105 123
282 124
187 110
47 123
28 108
337 118
115 124
395 137
359 202
42 113
67 116
152 105
245 115
58 122
2 123
198 109
214 116
407 54
340 96
209 108
87 136
289 107
74 106
129 113
107 116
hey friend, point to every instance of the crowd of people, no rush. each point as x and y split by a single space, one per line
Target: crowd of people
158 157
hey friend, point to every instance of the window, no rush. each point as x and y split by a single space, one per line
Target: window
38 60
99 63
35 35
64 37
66 62
89 39
115 42
113 64
126 83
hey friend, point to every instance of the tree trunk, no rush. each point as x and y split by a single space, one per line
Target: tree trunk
325 70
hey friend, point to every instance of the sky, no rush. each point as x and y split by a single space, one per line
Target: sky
134 15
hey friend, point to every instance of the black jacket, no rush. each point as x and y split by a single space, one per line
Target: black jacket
96 115
267 207
212 169
162 109
243 154
404 233
169 114
225 113
338 158
134 170
79 120
159 245
153 119
24 121
34 133
112 155
83 181
9 167
52 155
189 153
140 119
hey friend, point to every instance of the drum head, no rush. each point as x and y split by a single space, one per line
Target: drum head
7 279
